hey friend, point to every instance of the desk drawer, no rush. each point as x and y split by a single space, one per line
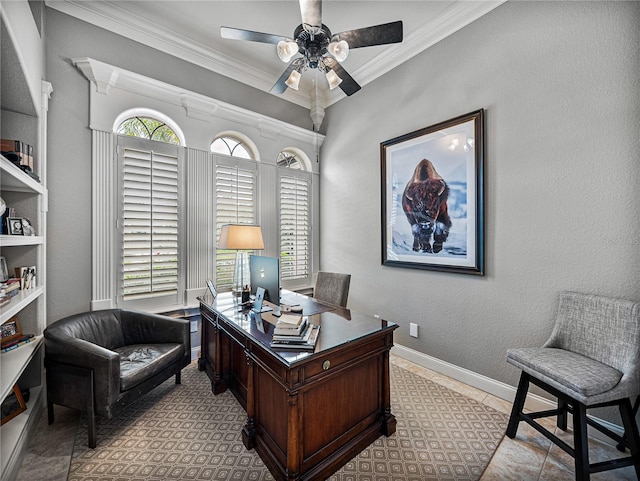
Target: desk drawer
325 364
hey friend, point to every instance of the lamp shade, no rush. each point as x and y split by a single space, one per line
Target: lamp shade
333 79
339 50
293 81
240 236
286 49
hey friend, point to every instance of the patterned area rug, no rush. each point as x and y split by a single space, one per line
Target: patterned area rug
186 433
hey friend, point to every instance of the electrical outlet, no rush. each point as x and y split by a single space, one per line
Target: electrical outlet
413 329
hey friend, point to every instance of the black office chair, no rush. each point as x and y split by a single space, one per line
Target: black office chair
332 288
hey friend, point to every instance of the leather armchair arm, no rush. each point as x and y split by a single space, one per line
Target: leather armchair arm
144 328
104 363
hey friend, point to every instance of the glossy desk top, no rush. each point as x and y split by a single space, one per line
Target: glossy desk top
338 326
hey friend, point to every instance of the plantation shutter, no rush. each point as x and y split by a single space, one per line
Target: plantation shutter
294 226
150 233
235 204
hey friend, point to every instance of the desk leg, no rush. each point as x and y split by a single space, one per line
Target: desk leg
293 437
249 430
217 383
388 419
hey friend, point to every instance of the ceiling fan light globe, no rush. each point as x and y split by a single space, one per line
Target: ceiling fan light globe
286 49
293 82
339 50
333 79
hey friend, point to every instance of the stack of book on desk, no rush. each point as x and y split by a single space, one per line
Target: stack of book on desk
293 331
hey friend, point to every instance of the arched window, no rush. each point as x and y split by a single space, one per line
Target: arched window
149 124
294 185
234 145
149 199
293 159
148 128
236 194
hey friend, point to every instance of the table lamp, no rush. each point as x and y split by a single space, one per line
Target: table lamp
240 237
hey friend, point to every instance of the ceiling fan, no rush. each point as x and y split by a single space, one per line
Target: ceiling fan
319 47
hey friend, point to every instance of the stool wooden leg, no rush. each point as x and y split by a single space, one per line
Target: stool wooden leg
627 413
518 405
562 417
580 442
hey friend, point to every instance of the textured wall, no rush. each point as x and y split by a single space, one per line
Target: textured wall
69 146
559 82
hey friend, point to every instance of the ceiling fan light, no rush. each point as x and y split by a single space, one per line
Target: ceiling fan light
287 49
333 79
293 81
339 50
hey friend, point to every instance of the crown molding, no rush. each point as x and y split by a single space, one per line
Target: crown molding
106 78
111 16
452 19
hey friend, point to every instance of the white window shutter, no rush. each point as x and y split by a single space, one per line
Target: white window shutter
295 205
150 225
235 204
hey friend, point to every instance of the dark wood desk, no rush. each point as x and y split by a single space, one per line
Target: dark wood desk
308 413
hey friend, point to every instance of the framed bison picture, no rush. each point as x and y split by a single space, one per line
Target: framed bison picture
432 197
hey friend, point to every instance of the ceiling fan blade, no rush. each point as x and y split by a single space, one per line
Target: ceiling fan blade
311 11
280 86
375 35
250 35
348 85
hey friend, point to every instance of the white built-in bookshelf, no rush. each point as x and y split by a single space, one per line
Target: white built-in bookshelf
24 98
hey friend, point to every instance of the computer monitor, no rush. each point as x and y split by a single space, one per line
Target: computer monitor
265 272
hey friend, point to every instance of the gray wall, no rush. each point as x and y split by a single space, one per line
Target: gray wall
69 139
559 82
560 85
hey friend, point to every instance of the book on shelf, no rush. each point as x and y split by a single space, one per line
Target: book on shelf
284 329
16 346
22 152
294 338
308 345
18 340
286 319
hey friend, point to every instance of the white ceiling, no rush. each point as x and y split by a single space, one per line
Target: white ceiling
191 30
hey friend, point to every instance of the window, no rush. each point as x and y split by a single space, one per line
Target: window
295 226
149 223
232 146
148 128
235 204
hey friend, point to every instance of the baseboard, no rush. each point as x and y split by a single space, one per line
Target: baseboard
491 386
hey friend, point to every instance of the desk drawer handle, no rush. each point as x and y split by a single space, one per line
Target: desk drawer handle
326 365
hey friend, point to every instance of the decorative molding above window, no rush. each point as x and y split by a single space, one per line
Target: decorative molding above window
107 77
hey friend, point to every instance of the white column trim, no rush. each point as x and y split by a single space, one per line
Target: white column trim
103 216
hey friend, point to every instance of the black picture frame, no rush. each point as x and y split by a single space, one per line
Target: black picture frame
14 226
432 201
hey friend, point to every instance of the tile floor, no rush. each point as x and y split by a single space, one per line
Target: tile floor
529 456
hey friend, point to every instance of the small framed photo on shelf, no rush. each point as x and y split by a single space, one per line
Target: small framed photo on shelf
10 330
4 272
13 405
27 276
14 226
27 228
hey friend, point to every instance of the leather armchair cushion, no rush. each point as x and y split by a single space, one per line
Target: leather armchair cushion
138 362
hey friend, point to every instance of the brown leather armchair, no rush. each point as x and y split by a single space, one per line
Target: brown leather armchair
101 361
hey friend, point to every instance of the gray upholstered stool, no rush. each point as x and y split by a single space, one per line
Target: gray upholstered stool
592 359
